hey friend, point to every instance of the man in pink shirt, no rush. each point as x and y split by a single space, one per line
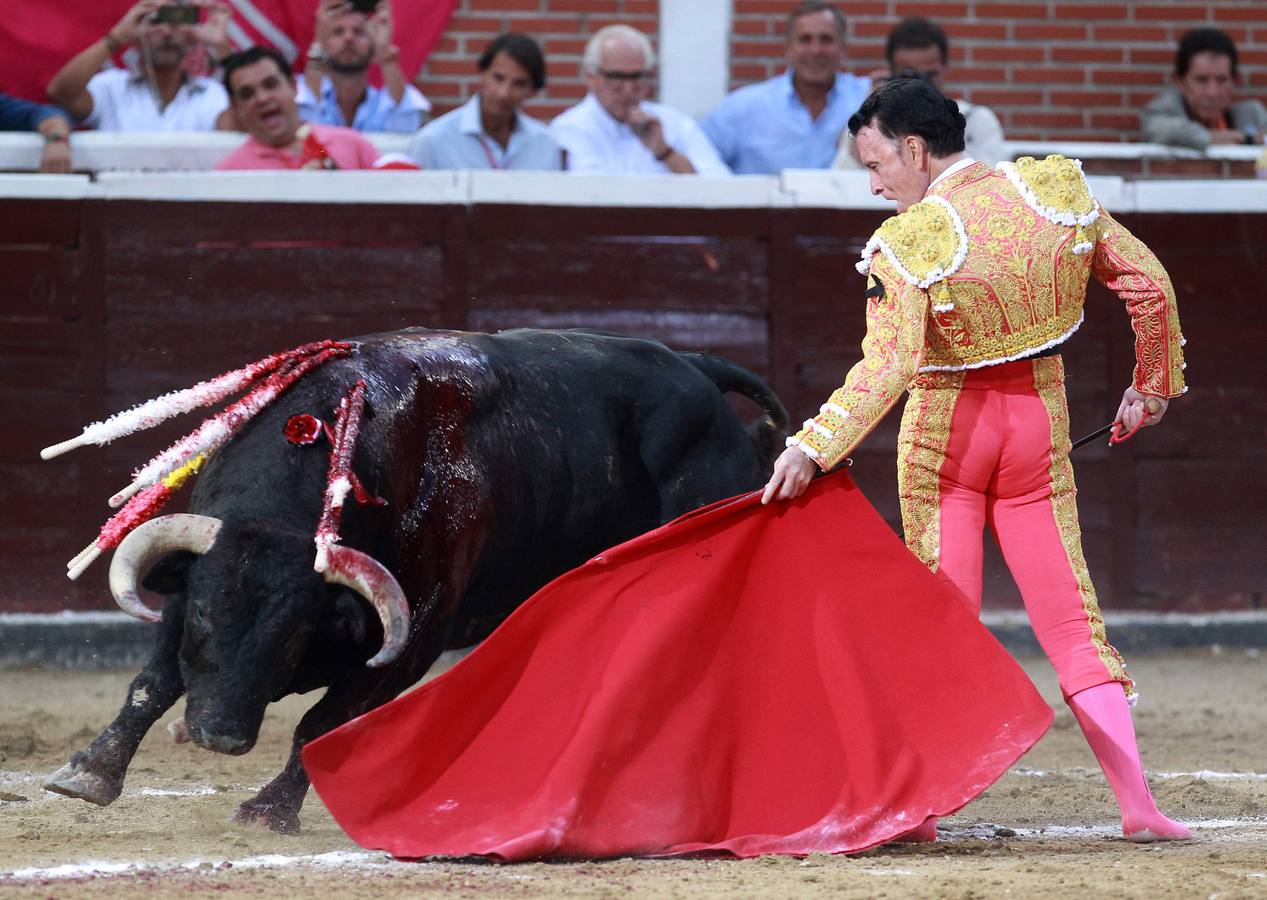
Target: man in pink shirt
262 97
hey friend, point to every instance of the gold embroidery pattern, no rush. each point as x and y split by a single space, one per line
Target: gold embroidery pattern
1020 289
891 354
1124 265
1049 381
921 444
1058 185
925 244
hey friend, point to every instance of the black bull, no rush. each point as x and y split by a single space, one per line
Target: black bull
505 460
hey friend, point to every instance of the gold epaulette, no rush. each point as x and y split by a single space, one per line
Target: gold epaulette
926 244
1056 189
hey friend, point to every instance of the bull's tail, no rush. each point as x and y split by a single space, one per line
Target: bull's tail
767 432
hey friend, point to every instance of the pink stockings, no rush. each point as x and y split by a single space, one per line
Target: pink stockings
1105 720
991 446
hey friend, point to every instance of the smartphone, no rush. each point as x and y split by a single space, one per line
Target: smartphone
364 6
176 14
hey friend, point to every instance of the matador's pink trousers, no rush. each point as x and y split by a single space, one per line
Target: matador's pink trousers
991 445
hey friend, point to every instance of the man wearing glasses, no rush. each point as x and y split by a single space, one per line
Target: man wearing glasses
615 130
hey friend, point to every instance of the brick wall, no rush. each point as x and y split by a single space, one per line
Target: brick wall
1051 69
562 27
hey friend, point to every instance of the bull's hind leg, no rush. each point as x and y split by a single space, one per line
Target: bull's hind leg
277 804
97 774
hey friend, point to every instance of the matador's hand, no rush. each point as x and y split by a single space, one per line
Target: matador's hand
1136 407
793 471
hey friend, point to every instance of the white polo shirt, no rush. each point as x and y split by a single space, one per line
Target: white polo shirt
123 101
597 143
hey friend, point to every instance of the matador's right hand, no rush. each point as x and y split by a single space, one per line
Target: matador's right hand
1136 407
793 471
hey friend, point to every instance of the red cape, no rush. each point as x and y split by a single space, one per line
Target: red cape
744 680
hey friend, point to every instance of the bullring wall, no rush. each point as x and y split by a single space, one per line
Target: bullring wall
128 287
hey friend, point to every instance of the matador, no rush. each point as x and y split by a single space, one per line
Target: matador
973 287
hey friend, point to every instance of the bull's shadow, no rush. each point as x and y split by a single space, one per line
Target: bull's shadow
504 459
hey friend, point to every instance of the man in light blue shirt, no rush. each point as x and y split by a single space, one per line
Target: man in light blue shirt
794 120
335 89
489 131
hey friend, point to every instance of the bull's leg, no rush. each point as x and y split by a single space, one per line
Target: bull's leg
97 774
277 804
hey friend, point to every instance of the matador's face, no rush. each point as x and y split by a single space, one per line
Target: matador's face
899 168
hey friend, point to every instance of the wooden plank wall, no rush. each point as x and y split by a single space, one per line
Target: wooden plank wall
107 303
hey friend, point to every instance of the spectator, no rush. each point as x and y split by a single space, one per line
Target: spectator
489 131
615 130
793 120
1198 110
262 91
335 89
158 95
919 46
23 115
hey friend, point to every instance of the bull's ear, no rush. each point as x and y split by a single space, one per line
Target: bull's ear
167 576
348 623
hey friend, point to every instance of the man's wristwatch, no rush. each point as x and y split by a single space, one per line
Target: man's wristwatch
664 154
56 137
316 53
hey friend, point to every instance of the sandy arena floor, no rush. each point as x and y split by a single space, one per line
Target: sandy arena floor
1047 829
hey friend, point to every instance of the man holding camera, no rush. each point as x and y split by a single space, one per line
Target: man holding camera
155 94
335 88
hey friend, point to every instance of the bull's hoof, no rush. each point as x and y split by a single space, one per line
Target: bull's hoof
179 731
73 780
272 816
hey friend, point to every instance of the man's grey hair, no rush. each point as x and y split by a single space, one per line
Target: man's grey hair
592 60
810 7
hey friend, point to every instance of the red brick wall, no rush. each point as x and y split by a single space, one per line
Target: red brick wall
449 76
1051 69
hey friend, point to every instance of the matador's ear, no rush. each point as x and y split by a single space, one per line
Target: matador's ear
875 287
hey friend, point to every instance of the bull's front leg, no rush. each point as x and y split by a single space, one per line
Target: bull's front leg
277 804
97 774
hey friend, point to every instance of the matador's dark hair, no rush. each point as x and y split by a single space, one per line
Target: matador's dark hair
912 106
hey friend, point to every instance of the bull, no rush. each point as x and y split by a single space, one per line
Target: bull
504 460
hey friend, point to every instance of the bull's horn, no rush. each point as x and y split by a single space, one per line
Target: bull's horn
182 531
368 577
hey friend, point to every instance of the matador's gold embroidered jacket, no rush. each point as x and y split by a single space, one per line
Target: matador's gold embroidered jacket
992 266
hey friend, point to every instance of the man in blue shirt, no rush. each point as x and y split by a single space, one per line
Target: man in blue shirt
489 131
17 114
335 89
793 120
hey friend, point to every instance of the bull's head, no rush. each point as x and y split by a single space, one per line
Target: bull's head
255 613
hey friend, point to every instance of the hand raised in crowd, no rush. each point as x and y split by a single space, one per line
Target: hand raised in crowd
214 29
380 28
127 30
1136 406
